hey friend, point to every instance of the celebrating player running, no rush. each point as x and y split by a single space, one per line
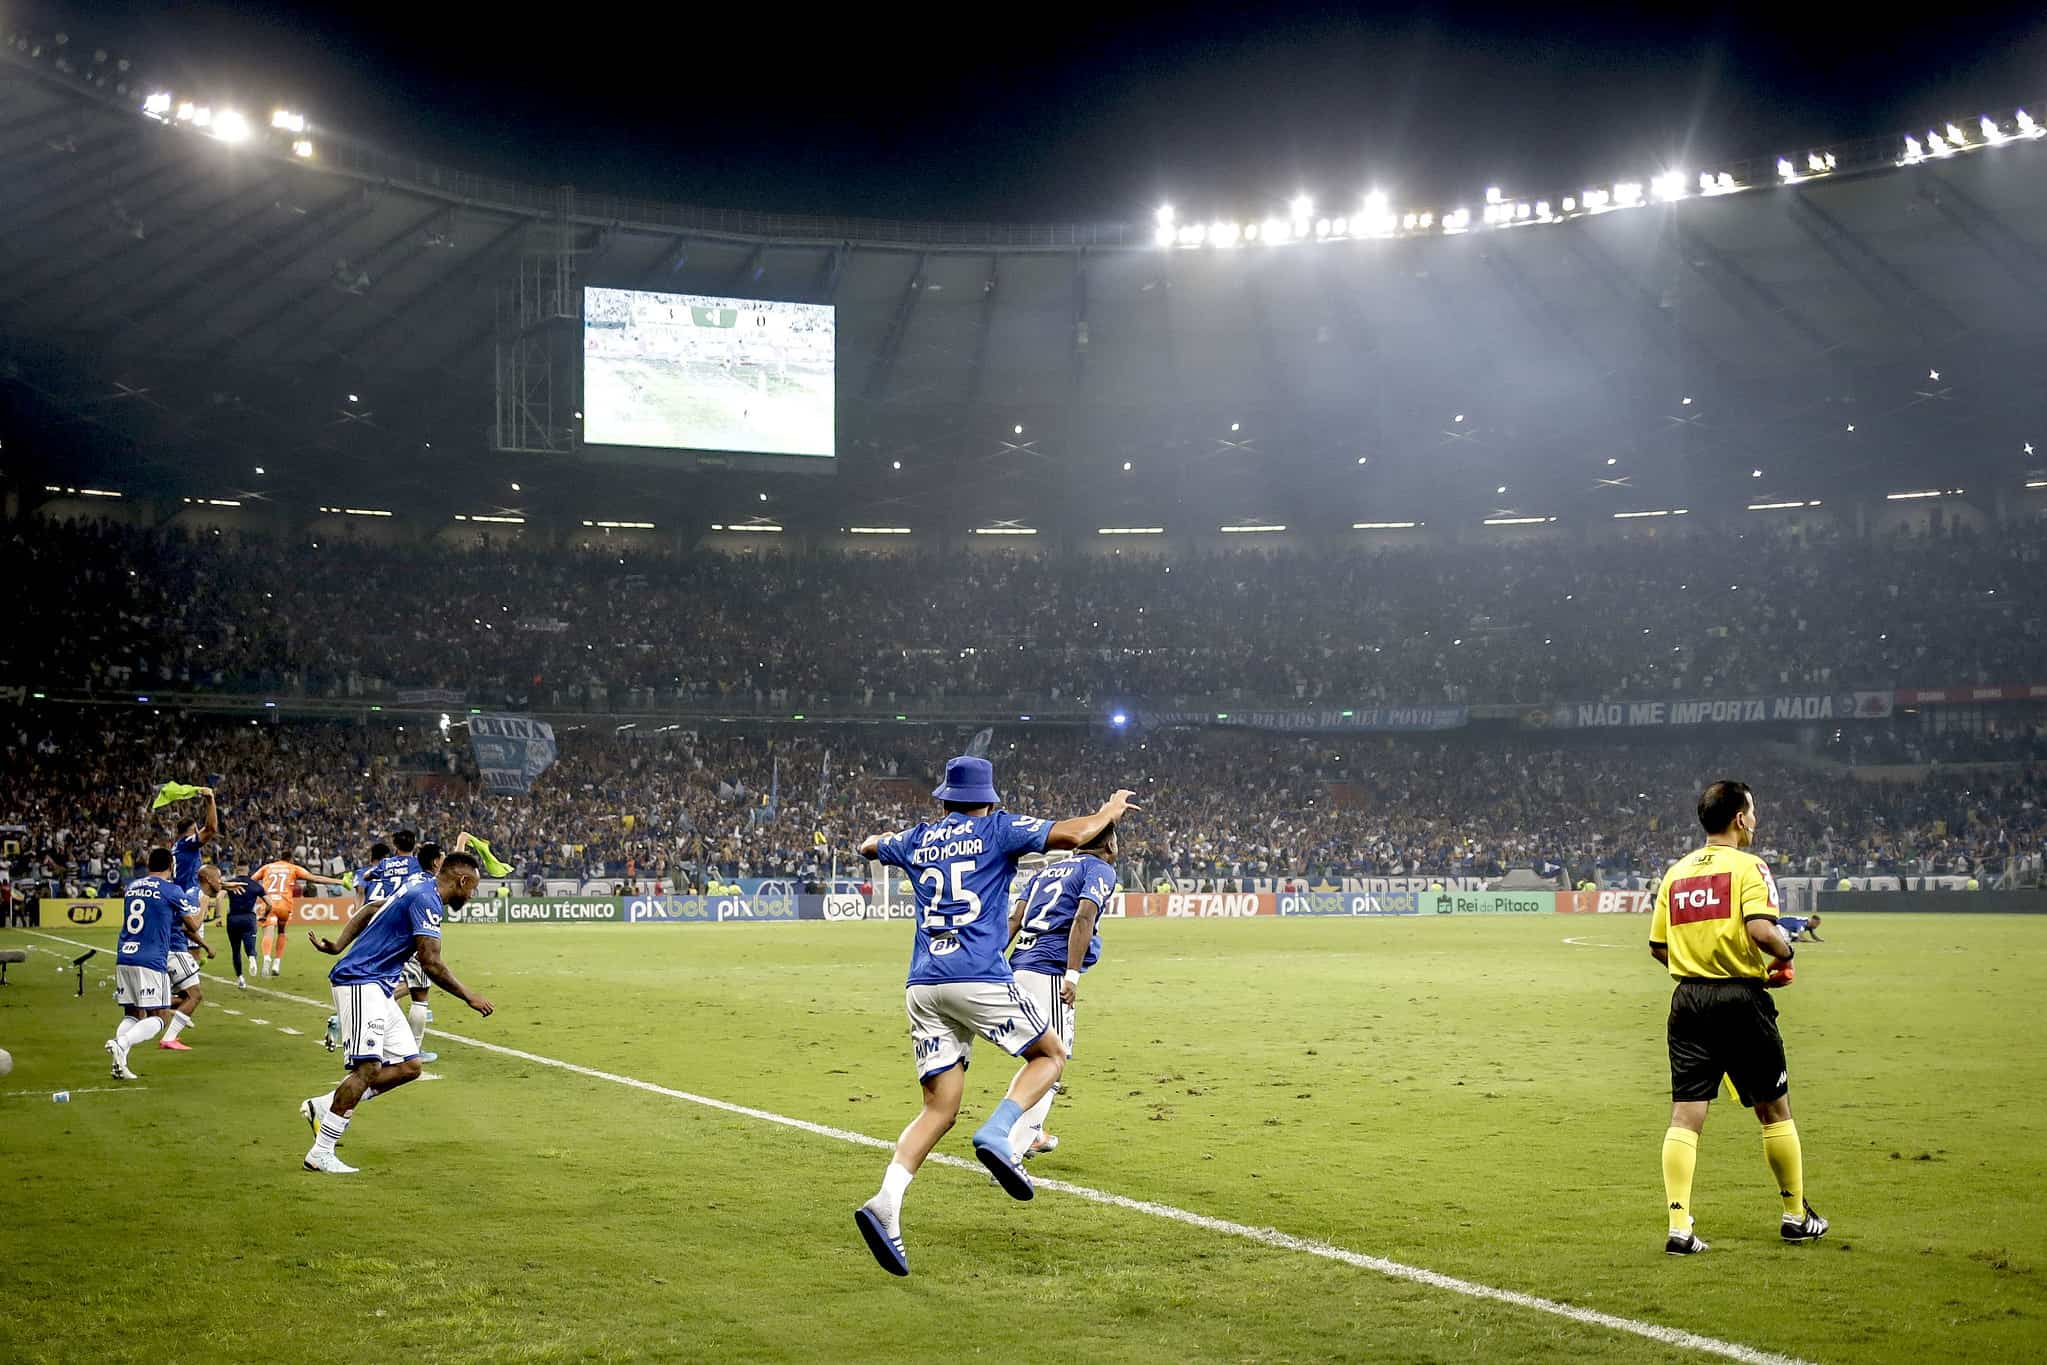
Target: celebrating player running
373 947
959 985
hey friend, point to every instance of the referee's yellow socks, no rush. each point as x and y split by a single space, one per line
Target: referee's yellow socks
1787 1163
1680 1159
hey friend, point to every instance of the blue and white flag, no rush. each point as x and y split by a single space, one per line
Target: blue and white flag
511 751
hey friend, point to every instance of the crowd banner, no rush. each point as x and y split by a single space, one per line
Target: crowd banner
511 751
1370 903
1914 696
1487 902
1371 719
1802 706
430 696
1605 902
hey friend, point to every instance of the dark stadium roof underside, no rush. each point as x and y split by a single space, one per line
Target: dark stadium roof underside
174 312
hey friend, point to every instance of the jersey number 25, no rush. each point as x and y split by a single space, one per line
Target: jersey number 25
934 880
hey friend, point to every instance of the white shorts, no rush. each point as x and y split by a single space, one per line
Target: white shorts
1043 991
944 1018
414 978
143 987
373 1028
183 970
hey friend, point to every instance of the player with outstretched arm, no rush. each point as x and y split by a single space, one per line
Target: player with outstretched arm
1715 928
373 948
960 985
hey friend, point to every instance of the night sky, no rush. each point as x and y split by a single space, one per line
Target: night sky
1036 113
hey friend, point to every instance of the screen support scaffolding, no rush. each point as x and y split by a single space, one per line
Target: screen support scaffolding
537 335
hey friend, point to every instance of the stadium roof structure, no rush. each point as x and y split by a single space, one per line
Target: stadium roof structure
177 310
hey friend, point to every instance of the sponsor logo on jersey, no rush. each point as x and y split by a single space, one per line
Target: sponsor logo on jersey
1694 900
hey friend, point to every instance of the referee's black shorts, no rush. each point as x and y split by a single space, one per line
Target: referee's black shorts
1725 1028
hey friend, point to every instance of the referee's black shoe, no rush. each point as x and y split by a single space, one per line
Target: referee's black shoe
1683 1244
1810 1228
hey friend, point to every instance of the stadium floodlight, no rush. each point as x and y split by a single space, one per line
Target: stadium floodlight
1130 531
1627 194
1340 226
1163 236
751 527
302 148
1669 186
1410 222
1321 227
1428 220
1659 512
1991 132
158 105
878 530
1224 234
1914 153
1785 170
1302 206
1570 204
1234 426
1542 210
1251 529
1251 231
1383 525
1910 495
1517 521
1457 220
1273 230
202 117
1120 719
1521 212
1957 136
2027 128
1938 144
1778 506
1755 473
285 121
2036 483
895 464
1190 235
1493 195
1501 490
1815 163
1005 530
1164 217
1126 466
632 525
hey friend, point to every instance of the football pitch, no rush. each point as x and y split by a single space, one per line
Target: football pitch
1483 1098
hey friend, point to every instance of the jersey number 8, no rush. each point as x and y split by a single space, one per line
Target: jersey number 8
934 880
136 909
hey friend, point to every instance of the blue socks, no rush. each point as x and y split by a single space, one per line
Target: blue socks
1001 1121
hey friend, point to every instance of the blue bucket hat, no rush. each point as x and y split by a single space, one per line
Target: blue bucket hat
969 780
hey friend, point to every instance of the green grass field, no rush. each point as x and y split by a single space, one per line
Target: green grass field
1473 1096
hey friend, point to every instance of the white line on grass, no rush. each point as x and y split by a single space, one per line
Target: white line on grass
1581 943
88 1090
1271 1237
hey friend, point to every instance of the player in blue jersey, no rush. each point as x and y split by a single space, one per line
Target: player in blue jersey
151 906
1801 929
245 899
192 837
188 940
1053 924
960 985
373 948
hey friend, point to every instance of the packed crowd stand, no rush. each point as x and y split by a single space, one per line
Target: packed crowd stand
678 806
118 610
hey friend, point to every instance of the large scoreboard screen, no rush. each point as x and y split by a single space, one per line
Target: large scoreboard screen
691 372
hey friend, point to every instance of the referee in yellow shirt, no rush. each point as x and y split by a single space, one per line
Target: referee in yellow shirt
1716 929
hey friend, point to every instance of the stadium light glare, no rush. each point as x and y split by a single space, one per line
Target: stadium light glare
1302 206
2027 128
1755 473
1274 230
1005 530
303 149
1321 227
1785 170
498 520
1251 232
1493 195
1163 235
1570 204
1957 136
1130 531
158 105
1224 234
895 464
285 121
81 492
1992 134
1914 153
1383 525
1250 529
1669 186
1938 144
1120 719
1340 226
2036 483
1780 506
630 526
878 530
1627 194
1126 466
1920 493
1164 216
1517 521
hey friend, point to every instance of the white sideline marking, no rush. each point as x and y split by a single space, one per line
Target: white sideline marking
292 1031
254 1020
225 1010
1271 1237
88 1090
1581 943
